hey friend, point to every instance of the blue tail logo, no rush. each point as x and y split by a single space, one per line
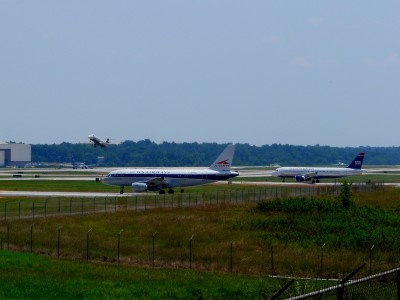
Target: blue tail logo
357 162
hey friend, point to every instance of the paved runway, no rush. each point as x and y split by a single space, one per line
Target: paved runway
92 174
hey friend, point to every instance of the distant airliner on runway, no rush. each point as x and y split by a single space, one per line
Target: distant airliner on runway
316 173
98 141
149 179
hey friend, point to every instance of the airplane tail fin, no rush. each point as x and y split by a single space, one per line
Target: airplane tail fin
224 160
357 162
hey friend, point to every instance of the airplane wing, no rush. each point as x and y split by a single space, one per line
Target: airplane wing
155 182
310 174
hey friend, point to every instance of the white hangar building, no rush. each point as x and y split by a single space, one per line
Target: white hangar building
15 154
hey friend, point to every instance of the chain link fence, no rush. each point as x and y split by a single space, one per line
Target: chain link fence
60 206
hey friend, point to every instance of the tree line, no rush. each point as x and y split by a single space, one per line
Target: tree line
146 153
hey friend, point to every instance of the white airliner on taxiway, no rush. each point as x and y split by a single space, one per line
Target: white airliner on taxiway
316 173
98 141
149 179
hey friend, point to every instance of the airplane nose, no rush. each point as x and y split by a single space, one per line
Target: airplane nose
106 180
275 173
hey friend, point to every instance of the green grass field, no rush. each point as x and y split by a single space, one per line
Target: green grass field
27 276
56 185
248 240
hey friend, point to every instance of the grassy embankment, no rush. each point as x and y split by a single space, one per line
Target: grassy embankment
296 234
277 238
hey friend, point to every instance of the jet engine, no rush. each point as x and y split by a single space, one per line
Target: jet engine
139 187
302 178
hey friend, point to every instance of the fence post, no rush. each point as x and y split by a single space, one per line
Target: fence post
277 294
370 260
190 251
58 240
32 237
322 259
154 236
119 244
347 278
272 261
398 284
87 244
231 257
8 235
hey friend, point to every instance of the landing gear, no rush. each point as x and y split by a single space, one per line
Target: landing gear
170 191
182 191
161 192
121 191
283 179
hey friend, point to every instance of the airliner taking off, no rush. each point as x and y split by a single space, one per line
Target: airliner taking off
314 174
149 179
98 141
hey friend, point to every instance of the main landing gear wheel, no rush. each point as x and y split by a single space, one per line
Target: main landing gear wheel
121 190
161 192
171 191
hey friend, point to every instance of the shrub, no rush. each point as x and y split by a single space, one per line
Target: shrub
346 196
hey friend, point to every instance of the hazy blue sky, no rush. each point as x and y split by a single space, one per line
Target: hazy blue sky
257 72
